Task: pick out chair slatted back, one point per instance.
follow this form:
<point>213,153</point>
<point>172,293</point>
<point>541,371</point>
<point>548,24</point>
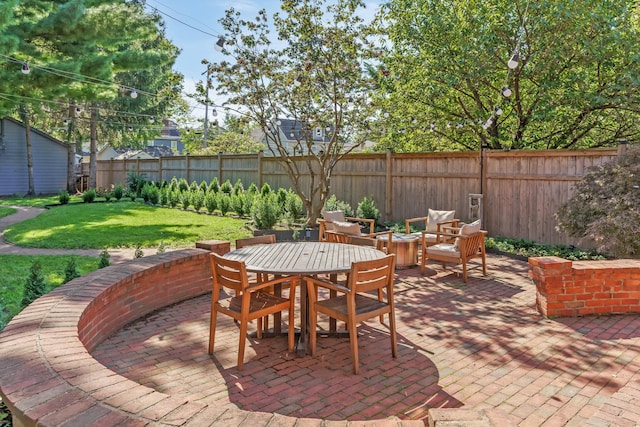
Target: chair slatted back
<point>256,240</point>
<point>228,273</point>
<point>371,275</point>
<point>473,245</point>
<point>335,237</point>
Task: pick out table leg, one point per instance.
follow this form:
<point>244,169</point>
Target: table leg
<point>301,348</point>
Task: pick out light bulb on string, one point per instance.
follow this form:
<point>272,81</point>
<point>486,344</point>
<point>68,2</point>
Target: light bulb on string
<point>214,113</point>
<point>498,111</point>
<point>130,128</point>
<point>66,122</point>
<point>297,81</point>
<point>25,68</point>
<point>279,122</point>
<point>78,110</point>
<point>219,44</point>
<point>133,94</point>
<point>152,119</point>
<point>506,92</point>
<point>513,61</point>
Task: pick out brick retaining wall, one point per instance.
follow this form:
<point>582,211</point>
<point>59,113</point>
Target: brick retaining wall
<point>577,288</point>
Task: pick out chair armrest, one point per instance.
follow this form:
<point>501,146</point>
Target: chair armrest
<point>326,284</point>
<point>409,221</point>
<point>257,286</point>
<point>371,222</point>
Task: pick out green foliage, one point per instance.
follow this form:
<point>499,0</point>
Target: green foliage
<point>224,202</point>
<point>528,248</point>
<point>238,203</point>
<point>214,186</point>
<point>253,189</point>
<point>204,187</point>
<point>265,190</point>
<point>174,198</point>
<point>63,197</point>
<point>185,199</point>
<point>135,182</point>
<point>35,286</point>
<point>197,199</point>
<point>161,248</point>
<point>226,187</point>
<point>367,209</point>
<point>108,196</point>
<point>266,211</point>
<point>210,202</point>
<point>194,186</point>
<point>138,253</point>
<point>132,195</point>
<point>238,187</point>
<point>282,196</point>
<point>605,207</point>
<point>333,204</point>
<point>118,191</point>
<point>104,259</point>
<point>71,270</point>
<point>174,184</point>
<point>89,196</point>
<point>293,206</point>
<point>150,194</point>
<point>183,185</point>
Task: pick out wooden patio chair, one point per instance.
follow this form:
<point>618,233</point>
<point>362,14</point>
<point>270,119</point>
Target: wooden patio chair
<point>467,244</point>
<point>434,223</point>
<point>250,301</point>
<point>355,302</point>
<point>332,220</point>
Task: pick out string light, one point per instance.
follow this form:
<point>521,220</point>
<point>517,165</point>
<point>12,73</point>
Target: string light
<point>506,92</point>
<point>498,111</point>
<point>134,94</point>
<point>513,61</point>
<point>219,44</point>
<point>298,81</point>
<point>25,68</point>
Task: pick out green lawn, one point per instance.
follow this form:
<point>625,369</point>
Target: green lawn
<point>6,211</point>
<point>122,224</point>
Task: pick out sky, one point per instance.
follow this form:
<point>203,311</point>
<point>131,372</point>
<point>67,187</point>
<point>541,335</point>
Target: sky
<point>193,26</point>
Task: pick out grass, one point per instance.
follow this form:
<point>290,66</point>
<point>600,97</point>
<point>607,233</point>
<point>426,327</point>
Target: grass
<point>4,211</point>
<point>14,270</point>
<point>122,225</point>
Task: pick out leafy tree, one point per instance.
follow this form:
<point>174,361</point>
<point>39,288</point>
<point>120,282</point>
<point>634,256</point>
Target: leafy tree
<point>574,86</point>
<point>313,76</point>
<point>605,207</point>
<point>233,137</point>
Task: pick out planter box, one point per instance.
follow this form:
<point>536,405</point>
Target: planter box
<point>287,235</point>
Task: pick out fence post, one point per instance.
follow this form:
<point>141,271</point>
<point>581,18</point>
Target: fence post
<point>160,169</point>
<point>623,146</point>
<point>220,167</point>
<point>483,184</point>
<point>260,156</point>
<point>388,196</point>
<point>188,172</point>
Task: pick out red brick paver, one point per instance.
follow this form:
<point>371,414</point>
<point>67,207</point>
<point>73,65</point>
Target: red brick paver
<point>480,345</point>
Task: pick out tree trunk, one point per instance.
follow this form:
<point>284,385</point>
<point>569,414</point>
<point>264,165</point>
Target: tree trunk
<point>71,151</point>
<point>27,131</point>
<point>93,157</point>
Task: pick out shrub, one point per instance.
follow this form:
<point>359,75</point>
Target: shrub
<point>605,207</point>
<point>118,191</point>
<point>132,195</point>
<point>138,252</point>
<point>135,182</point>
<point>282,196</point>
<point>183,185</point>
<point>224,202</point>
<point>89,196</point>
<point>150,194</point>
<point>253,189</point>
<point>210,202</point>
<point>63,197</point>
<point>35,286</point>
<point>265,190</point>
<point>266,211</point>
<point>214,186</point>
<point>367,209</point>
<point>226,187</point>
<point>104,259</point>
<point>197,200</point>
<point>185,199</point>
<point>71,270</point>
<point>204,187</point>
<point>173,184</point>
<point>174,198</point>
<point>238,188</point>
<point>161,248</point>
<point>194,186</point>
<point>333,204</point>
<point>108,196</point>
<point>293,206</point>
<point>240,204</point>
<point>164,196</point>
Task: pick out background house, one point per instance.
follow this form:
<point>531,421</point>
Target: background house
<point>169,137</point>
<point>49,160</point>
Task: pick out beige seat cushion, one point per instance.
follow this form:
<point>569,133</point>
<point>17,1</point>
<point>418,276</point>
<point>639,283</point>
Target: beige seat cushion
<point>430,238</point>
<point>330,217</point>
<point>470,228</point>
<point>434,217</point>
<point>443,249</point>
<point>352,228</point>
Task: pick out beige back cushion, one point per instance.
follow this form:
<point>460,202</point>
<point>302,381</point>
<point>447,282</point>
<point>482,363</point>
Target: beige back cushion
<point>352,228</point>
<point>331,217</point>
<point>434,217</point>
<point>470,228</point>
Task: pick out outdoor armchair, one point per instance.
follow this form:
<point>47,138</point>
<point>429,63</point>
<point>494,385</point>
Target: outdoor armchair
<point>356,302</point>
<point>433,224</point>
<point>336,221</point>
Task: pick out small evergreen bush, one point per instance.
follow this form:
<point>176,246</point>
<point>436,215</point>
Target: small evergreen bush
<point>265,190</point>
<point>293,206</point>
<point>333,204</point>
<point>89,196</point>
<point>71,270</point>
<point>238,188</point>
<point>224,202</point>
<point>185,199</point>
<point>211,202</point>
<point>35,286</point>
<point>266,211</point>
<point>118,191</point>
<point>367,209</point>
<point>135,182</point>
<point>63,197</point>
<point>197,199</point>
<point>214,186</point>
<point>226,187</point>
<point>104,259</point>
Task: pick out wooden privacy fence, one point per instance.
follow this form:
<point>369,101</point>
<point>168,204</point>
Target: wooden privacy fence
<point>516,193</point>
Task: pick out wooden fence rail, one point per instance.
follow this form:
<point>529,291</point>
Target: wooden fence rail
<point>516,193</point>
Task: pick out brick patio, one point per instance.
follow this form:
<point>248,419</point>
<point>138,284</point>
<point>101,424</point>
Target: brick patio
<point>477,346</point>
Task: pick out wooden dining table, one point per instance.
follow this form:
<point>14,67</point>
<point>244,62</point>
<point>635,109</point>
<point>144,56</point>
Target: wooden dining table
<point>302,259</point>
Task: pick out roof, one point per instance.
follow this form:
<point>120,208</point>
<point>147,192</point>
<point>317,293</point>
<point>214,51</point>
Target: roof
<point>35,130</point>
<point>156,152</point>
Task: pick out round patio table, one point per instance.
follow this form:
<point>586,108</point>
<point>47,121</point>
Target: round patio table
<point>302,259</point>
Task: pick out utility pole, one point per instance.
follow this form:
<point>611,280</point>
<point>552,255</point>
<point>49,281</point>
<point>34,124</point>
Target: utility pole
<point>206,108</point>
